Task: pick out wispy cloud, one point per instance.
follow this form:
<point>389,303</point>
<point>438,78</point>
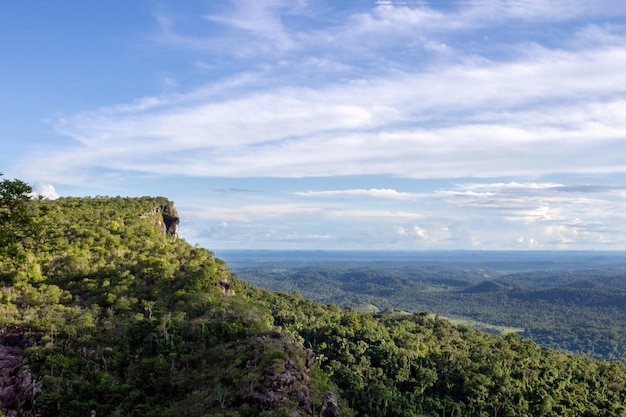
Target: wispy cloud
<point>260,18</point>
<point>508,100</point>
<point>477,115</point>
<point>513,185</point>
<point>373,192</point>
<point>375,127</point>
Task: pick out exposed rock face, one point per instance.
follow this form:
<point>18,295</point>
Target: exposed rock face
<point>226,288</point>
<point>285,381</point>
<point>330,408</point>
<point>166,218</point>
<point>17,388</point>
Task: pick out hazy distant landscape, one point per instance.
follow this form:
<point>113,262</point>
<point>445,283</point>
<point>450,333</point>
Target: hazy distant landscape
<point>570,300</point>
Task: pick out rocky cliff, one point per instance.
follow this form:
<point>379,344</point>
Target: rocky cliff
<point>18,390</point>
<point>282,381</point>
<point>166,218</point>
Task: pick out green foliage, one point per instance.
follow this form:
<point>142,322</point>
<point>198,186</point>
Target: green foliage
<point>128,321</point>
<point>568,307</point>
<point>15,213</point>
<point>121,319</point>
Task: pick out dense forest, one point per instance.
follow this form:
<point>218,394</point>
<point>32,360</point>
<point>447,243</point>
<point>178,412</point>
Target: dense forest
<point>569,307</point>
<point>104,312</point>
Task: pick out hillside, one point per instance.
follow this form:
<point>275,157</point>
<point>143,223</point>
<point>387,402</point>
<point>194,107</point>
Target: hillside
<point>103,311</point>
<point>574,303</point>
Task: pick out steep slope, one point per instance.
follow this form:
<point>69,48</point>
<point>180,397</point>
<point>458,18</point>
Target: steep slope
<point>116,316</point>
<point>103,311</point>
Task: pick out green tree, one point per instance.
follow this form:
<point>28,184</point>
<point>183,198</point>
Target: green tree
<point>15,212</point>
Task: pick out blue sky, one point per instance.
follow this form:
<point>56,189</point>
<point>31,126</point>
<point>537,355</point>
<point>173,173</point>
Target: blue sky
<point>319,124</point>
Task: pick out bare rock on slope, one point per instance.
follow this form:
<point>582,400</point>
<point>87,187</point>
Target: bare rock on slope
<point>17,388</point>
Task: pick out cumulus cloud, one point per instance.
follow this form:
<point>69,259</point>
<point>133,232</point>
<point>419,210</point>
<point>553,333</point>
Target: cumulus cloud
<point>419,232</point>
<point>45,191</point>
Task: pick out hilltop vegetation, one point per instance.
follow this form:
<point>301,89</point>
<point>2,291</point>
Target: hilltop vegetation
<point>113,315</point>
<point>572,307</point>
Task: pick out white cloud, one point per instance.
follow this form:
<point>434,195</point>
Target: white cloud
<point>530,243</point>
<point>517,92</point>
<point>446,121</point>
<point>260,18</point>
<point>419,232</point>
<point>45,191</point>
<point>513,185</point>
<point>416,231</point>
<point>372,192</point>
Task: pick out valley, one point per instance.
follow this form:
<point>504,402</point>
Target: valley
<point>570,300</point>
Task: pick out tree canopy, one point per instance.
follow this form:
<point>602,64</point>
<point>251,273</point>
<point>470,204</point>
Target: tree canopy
<point>15,212</point>
<point>113,316</point>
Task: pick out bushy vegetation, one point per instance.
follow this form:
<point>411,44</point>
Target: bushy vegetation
<point>114,316</point>
<point>567,307</point>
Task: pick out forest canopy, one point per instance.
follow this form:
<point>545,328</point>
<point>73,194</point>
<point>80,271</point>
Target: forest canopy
<point>112,315</point>
<point>15,211</point>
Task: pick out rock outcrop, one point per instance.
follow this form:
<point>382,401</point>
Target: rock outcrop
<point>18,390</point>
<point>283,382</point>
<point>226,288</point>
<point>166,218</point>
<point>330,408</point>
